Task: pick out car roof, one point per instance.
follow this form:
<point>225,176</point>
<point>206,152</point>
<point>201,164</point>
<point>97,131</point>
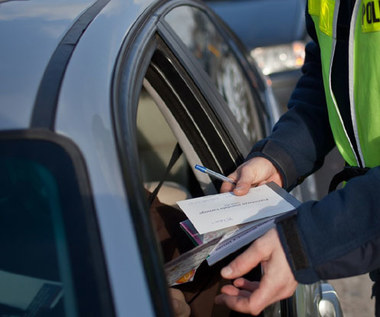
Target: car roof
<point>30,32</point>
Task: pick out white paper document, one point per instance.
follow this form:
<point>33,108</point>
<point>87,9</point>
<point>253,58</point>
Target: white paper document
<point>215,212</point>
<point>239,237</point>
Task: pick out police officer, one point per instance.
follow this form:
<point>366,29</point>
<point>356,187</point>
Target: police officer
<point>336,102</point>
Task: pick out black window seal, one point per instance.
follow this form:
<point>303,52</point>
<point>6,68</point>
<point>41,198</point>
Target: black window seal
<point>198,121</point>
<point>45,104</point>
<point>40,145</point>
<point>129,72</point>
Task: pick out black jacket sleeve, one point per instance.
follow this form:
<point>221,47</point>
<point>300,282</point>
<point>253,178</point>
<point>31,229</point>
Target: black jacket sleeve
<point>338,236</point>
<point>302,137</point>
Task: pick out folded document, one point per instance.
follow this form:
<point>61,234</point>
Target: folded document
<point>219,211</point>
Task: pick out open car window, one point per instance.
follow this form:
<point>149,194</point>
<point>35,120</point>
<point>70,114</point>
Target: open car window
<point>172,110</point>
<point>157,146</point>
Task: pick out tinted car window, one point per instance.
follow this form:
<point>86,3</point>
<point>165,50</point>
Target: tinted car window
<point>31,224</point>
<point>173,111</point>
<point>205,41</point>
<point>47,266</point>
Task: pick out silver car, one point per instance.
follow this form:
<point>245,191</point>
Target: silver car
<point>103,102</point>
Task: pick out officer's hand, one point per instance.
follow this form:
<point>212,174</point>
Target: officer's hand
<point>255,172</point>
<point>277,282</point>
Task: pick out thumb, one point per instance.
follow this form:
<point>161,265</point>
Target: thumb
<point>244,182</point>
<point>242,187</point>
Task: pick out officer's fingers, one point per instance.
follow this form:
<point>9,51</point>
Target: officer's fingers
<point>231,290</point>
<point>245,179</point>
<point>271,289</point>
<point>234,302</point>
<point>245,301</point>
<point>278,281</point>
<point>261,298</point>
<point>242,188</point>
<point>243,263</point>
<point>243,283</point>
<point>240,287</point>
<point>257,170</point>
<point>227,186</point>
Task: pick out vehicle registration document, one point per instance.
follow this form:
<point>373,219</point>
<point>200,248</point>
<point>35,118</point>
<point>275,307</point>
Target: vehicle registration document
<point>219,211</point>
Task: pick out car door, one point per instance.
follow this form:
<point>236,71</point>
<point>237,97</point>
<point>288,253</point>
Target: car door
<point>181,101</point>
<point>127,104</point>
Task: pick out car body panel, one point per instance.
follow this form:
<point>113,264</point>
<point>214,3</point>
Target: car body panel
<point>93,132</point>
<point>30,31</point>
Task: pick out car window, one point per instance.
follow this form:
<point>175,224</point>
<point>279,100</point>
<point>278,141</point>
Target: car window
<point>199,33</point>
<point>31,226</point>
<point>174,111</point>
<point>44,268</point>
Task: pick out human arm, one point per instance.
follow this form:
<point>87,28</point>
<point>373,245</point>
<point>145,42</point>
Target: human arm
<point>336,237</point>
<point>299,140</point>
<point>302,137</point>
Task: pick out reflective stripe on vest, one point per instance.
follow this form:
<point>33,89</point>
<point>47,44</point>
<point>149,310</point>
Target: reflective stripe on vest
<point>364,77</point>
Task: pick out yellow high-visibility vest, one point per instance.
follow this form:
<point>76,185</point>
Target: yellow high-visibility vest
<point>363,76</point>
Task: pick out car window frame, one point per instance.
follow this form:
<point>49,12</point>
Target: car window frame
<point>148,35</point>
<point>130,69</point>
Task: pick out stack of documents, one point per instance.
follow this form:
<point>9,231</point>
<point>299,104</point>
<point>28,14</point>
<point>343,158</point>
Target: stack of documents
<point>224,223</point>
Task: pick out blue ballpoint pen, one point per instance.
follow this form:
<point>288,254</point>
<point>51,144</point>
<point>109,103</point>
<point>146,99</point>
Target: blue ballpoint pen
<point>214,174</point>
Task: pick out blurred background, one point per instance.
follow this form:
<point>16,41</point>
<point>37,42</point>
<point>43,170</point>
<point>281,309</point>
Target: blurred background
<point>274,34</point>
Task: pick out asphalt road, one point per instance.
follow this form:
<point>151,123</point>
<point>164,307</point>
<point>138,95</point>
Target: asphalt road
<point>355,296</point>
